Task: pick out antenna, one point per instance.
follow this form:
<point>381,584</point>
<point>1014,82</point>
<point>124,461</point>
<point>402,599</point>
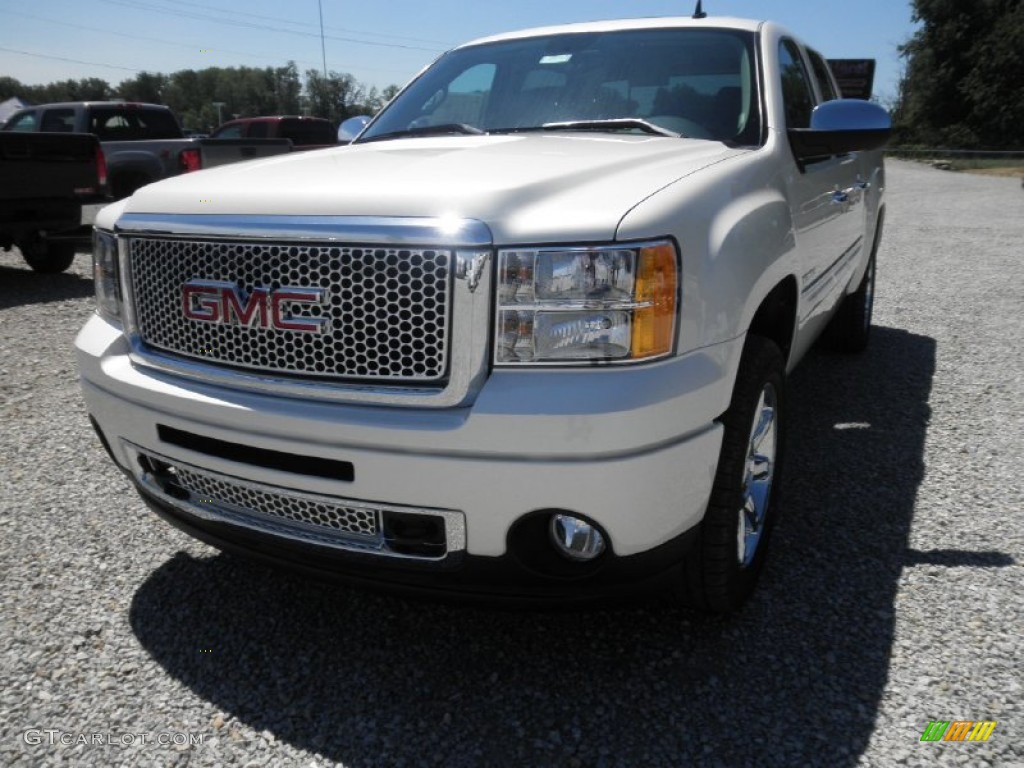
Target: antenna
<point>698,13</point>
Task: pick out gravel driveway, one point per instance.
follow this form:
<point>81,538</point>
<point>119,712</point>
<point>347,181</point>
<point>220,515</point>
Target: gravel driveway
<point>893,596</point>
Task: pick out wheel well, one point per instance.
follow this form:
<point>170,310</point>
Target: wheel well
<point>775,319</point>
<point>125,182</point>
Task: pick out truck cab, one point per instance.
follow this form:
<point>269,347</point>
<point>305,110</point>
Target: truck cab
<point>309,132</point>
<point>142,143</point>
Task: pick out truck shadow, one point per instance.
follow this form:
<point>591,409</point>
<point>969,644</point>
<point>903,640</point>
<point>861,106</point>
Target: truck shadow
<point>796,678</point>
<point>20,286</point>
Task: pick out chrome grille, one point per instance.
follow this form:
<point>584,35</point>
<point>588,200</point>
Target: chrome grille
<point>387,308</point>
<point>328,521</point>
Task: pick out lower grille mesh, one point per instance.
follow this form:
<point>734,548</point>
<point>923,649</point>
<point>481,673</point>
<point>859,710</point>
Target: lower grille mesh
<point>206,489</point>
<point>414,533</point>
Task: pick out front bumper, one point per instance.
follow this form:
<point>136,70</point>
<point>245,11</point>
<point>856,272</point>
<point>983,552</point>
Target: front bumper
<point>632,449</point>
<point>505,579</point>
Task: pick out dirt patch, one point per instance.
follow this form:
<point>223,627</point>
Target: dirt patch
<point>1018,171</point>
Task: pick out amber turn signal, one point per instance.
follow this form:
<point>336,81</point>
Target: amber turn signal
<point>656,296</point>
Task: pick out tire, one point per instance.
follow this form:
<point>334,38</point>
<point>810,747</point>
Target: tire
<point>722,568</point>
<point>47,258</point>
<point>850,330</point>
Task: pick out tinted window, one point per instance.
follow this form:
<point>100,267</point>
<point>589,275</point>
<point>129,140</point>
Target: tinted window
<point>258,130</point>
<point>796,90</point>
<point>58,120</point>
<point>307,132</point>
<point>228,132</point>
<point>698,82</point>
<point>822,76</point>
<point>26,122</point>
<point>131,123</point>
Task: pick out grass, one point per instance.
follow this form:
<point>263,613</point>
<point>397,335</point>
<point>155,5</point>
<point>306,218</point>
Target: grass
<point>987,166</point>
<point>993,167</point>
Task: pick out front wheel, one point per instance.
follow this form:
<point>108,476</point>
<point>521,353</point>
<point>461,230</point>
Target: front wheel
<point>722,568</point>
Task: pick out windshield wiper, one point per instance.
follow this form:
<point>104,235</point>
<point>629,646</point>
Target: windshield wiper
<point>428,130</point>
<point>613,124</point>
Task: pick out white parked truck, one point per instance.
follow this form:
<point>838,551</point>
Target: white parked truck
<point>526,337</point>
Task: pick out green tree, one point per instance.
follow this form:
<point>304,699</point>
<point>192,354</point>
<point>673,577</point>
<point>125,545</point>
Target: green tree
<point>337,97</point>
<point>287,90</point>
<point>94,89</point>
<point>243,92</point>
<point>10,87</point>
<point>145,87</point>
<point>370,102</point>
<point>961,84</point>
<point>86,89</point>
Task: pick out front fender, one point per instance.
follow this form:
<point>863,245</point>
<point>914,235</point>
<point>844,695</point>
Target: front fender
<point>735,230</point>
<point>751,250</point>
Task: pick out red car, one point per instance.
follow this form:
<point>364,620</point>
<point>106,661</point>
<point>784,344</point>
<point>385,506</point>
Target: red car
<point>304,132</point>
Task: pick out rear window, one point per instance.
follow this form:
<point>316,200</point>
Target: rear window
<point>306,132</point>
<point>130,124</point>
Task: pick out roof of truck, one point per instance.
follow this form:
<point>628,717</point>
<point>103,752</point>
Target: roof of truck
<point>75,104</point>
<point>615,25</point>
<point>273,119</point>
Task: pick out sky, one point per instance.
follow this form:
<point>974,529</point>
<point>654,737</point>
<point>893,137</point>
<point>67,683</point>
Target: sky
<point>379,42</point>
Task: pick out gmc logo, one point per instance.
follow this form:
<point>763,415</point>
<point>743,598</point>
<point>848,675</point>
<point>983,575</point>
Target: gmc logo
<point>210,301</point>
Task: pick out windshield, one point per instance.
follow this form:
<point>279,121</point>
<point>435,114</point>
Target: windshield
<point>698,83</point>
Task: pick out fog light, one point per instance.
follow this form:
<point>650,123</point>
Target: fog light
<point>575,538</point>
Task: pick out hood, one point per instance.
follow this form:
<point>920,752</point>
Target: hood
<point>526,188</point>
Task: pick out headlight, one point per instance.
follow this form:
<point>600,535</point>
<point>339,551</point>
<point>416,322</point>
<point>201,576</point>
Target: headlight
<point>573,305</point>
<point>106,275</point>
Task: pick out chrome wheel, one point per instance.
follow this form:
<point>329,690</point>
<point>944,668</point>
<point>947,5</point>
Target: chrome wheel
<point>733,539</point>
<point>759,471</point>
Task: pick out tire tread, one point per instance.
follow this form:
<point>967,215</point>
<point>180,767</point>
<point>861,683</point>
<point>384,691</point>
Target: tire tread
<point>712,579</point>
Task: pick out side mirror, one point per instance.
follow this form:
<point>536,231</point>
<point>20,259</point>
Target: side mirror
<point>351,128</point>
<point>841,126</point>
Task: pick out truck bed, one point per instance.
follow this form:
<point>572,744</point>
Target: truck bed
<point>48,166</point>
<point>45,178</point>
<point>216,152</point>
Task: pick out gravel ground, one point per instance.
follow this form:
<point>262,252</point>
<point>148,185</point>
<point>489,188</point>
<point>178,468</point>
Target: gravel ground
<point>893,596</point>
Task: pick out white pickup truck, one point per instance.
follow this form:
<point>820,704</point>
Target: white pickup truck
<point>527,337</point>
